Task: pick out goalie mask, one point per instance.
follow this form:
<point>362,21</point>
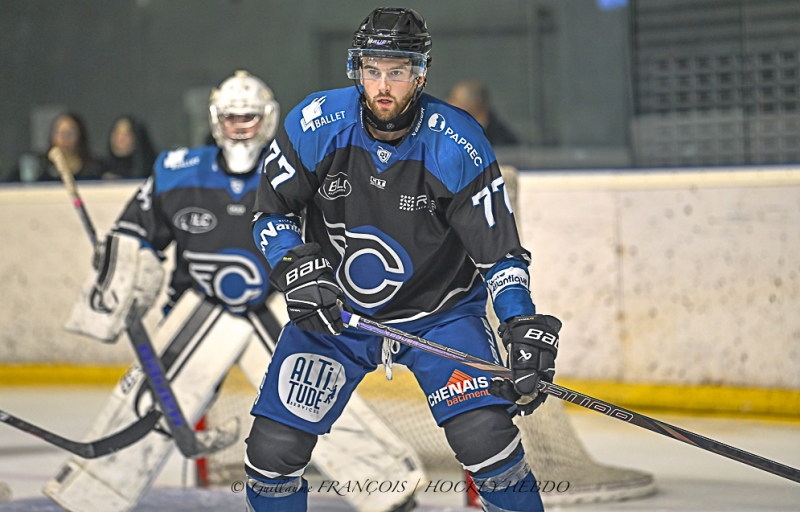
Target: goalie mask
<point>244,117</point>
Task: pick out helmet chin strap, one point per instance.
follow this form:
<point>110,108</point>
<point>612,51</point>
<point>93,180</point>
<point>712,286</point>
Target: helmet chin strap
<point>241,157</point>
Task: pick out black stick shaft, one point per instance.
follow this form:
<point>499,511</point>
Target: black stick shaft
<point>576,398</point>
<point>93,449</point>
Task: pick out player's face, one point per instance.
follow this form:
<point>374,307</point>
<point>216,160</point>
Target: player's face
<point>240,126</point>
<point>389,85</point>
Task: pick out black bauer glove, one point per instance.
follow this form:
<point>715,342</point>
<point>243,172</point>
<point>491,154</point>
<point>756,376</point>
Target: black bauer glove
<point>532,344</point>
<point>306,279</point>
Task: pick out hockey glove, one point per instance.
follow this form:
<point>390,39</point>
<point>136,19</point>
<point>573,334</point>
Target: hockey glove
<point>532,344</point>
<point>306,279</point>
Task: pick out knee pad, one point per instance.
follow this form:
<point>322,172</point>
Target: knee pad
<point>275,450</point>
<point>483,439</point>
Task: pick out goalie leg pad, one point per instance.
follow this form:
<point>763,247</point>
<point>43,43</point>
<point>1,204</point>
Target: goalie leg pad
<point>275,450</point>
<point>197,343</point>
<point>129,273</point>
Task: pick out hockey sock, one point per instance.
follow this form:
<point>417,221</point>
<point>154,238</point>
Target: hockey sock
<point>277,495</point>
<point>510,487</point>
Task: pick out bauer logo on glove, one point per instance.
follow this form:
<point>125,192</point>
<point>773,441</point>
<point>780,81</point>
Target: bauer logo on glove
<point>532,344</point>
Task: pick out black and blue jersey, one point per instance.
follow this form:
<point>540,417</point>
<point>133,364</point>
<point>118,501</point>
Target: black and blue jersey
<point>189,200</point>
<point>411,230</point>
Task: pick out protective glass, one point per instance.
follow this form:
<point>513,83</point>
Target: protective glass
<point>365,64</point>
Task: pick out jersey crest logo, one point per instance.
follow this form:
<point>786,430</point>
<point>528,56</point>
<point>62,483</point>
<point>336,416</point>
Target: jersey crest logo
<point>177,159</point>
<point>335,186</point>
<point>313,117</point>
<point>437,122</point>
<point>384,154</point>
<point>237,186</point>
<point>309,384</point>
<point>233,276</point>
<point>373,267</point>
<point>194,220</point>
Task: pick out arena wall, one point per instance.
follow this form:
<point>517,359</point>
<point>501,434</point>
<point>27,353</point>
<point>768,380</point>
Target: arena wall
<point>661,278</point>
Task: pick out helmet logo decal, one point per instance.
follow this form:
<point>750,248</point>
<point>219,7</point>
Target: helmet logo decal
<point>384,154</point>
<point>313,117</point>
<point>437,122</point>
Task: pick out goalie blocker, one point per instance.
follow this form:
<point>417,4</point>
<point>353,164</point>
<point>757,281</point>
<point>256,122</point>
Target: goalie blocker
<point>198,343</point>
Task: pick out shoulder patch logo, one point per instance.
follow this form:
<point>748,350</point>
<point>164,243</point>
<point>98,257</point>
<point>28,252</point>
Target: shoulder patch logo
<point>335,186</point>
<point>313,118</point>
<point>177,159</point>
<point>437,122</point>
<point>384,154</point>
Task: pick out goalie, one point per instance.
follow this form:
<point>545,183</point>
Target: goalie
<point>200,199</point>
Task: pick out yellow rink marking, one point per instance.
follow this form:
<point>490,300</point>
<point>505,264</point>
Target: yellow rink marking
<point>752,402</point>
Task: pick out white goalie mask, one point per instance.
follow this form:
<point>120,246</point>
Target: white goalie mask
<point>244,117</point>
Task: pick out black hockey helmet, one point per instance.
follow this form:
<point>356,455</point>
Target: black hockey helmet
<point>392,28</point>
<point>391,33</point>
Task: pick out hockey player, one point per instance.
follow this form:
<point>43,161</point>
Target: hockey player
<point>200,200</point>
<point>407,221</point>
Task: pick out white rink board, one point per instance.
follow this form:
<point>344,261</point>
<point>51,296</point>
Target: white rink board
<point>670,277</point>
<point>45,255</point>
<point>688,277</point>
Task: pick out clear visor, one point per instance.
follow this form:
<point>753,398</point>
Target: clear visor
<point>390,65</point>
<point>240,126</point>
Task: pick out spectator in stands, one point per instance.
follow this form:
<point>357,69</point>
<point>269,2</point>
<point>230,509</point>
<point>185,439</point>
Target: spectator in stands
<point>473,97</point>
<point>130,152</point>
<point>67,132</point>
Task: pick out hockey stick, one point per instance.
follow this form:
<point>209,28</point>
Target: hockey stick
<point>93,449</point>
<point>574,397</point>
<point>190,443</point>
<point>57,157</point>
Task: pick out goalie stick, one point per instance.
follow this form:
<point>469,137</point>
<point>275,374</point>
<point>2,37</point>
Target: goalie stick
<point>93,449</point>
<point>190,443</point>
<point>576,398</point>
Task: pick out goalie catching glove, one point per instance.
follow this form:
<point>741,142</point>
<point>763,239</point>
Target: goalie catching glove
<point>306,279</point>
<point>532,344</point>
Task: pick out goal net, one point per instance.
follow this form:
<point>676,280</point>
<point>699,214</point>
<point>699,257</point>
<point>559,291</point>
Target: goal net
<point>552,447</point>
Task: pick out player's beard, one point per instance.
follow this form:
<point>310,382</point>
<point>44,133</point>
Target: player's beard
<point>397,107</point>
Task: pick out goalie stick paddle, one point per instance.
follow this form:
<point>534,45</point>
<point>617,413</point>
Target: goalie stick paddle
<point>576,398</point>
<point>93,449</point>
<point>190,443</point>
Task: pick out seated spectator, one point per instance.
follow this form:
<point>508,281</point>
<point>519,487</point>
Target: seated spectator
<point>67,132</point>
<point>473,97</point>
<point>130,153</point>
